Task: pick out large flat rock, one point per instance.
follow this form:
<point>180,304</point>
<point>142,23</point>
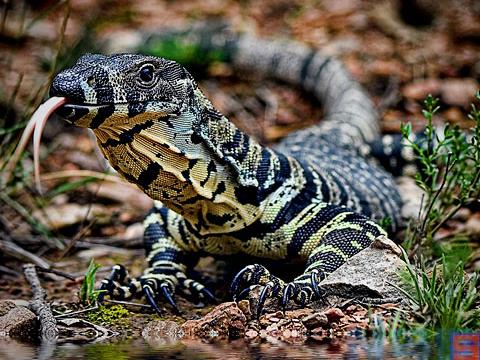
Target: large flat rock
<point>373,273</point>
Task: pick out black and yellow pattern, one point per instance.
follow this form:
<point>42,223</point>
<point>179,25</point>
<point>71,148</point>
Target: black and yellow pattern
<point>316,197</point>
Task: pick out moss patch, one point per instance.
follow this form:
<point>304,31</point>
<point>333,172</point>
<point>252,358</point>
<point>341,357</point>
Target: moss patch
<point>115,315</point>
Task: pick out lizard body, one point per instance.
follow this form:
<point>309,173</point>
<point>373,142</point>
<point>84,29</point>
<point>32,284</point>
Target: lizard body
<point>317,196</point>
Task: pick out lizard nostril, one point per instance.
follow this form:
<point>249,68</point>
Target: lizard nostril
<point>67,85</point>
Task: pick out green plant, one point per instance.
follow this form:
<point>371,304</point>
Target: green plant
<point>443,297</point>
<point>449,172</point>
<point>88,294</point>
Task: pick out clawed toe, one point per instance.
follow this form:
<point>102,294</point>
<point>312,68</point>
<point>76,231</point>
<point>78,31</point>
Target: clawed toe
<point>154,285</point>
<point>239,280</point>
<point>168,295</point>
<point>314,280</point>
<point>117,279</point>
<point>147,290</point>
<point>165,286</point>
<point>301,291</point>
<point>266,291</point>
<point>288,291</point>
<point>207,294</point>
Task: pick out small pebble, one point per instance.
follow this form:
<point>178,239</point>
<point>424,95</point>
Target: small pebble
<point>334,315</point>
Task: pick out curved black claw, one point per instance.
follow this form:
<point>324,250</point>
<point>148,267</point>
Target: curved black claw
<point>262,298</point>
<point>151,298</point>
<point>303,299</point>
<point>166,293</point>
<point>118,273</point>
<point>237,281</point>
<point>286,296</point>
<point>314,280</point>
<point>242,294</point>
<point>105,287</point>
<point>208,295</point>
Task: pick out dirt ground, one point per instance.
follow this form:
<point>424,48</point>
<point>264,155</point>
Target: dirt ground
<point>400,51</point>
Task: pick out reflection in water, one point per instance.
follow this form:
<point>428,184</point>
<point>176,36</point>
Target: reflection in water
<point>351,348</point>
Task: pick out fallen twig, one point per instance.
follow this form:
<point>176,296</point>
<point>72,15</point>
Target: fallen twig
<point>87,242</point>
<point>76,312</point>
<point>129,303</point>
<point>15,251</point>
<point>48,324</point>
<point>8,271</point>
<point>56,272</point>
<point>84,173</point>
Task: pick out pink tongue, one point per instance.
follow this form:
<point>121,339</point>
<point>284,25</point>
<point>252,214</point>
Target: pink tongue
<point>37,123</point>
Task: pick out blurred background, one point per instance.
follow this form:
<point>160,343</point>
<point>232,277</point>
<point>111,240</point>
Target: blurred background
<point>400,51</point>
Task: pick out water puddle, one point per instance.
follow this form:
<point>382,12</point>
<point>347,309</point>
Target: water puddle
<point>447,346</point>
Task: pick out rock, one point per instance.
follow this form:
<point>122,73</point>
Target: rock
<point>244,306</point>
<point>263,321</point>
<point>315,320</point>
<point>299,313</point>
<point>368,274</point>
<point>251,334</point>
<point>276,315</point>
<point>286,330</point>
<point>276,330</point>
<point>383,243</point>
<point>334,315</point>
<point>459,92</point>
<point>17,322</point>
<point>226,321</point>
<point>158,333</point>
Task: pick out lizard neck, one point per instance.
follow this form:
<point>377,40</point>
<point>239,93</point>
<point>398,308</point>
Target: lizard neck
<point>242,174</point>
<point>197,163</point>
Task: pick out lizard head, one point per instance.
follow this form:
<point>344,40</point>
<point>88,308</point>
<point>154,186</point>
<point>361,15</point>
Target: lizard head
<point>157,129</point>
<point>122,85</point>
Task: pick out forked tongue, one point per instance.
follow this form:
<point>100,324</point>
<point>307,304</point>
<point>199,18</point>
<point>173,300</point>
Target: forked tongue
<point>35,125</point>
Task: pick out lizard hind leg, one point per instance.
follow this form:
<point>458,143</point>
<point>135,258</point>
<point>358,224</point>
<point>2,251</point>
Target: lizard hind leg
<point>335,248</point>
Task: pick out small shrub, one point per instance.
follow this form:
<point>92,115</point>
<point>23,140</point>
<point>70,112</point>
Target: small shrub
<point>88,295</point>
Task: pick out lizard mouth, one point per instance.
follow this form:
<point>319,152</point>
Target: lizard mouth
<point>72,112</point>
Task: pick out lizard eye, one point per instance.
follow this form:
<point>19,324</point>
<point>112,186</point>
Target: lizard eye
<point>146,73</point>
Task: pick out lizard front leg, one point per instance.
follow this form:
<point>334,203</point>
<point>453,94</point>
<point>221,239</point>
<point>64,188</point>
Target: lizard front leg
<point>168,260</point>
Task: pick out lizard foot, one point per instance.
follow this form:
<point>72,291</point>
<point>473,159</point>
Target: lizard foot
<point>301,290</point>
<point>155,283</point>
